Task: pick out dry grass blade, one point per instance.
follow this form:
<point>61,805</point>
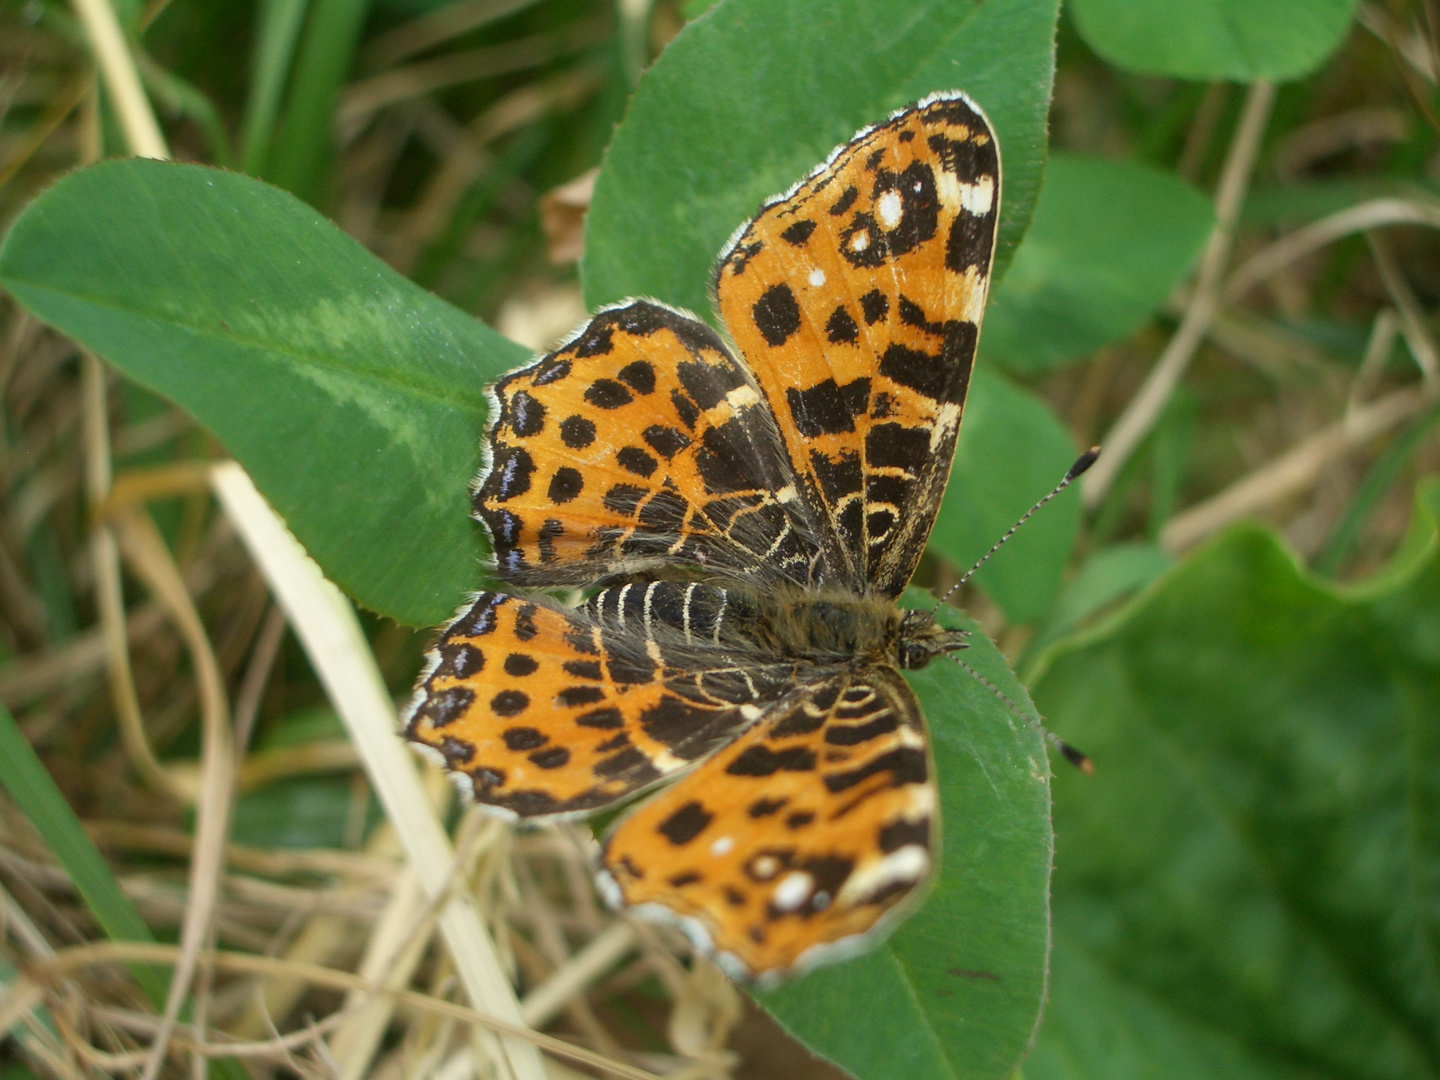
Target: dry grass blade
<point>113,55</point>
<point>1371,214</point>
<point>1297,470</point>
<point>146,551</point>
<point>72,961</point>
<point>1145,408</point>
<point>326,624</point>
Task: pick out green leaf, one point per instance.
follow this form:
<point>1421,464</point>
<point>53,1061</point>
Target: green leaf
<point>754,93</point>
<point>957,990</point>
<point>1251,880</point>
<point>1240,40</point>
<point>1110,241</point>
<point>1012,450</point>
<point>354,398</point>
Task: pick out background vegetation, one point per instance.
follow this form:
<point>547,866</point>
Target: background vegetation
<point>1219,253</point>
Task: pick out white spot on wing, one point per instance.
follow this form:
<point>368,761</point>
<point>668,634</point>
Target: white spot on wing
<point>906,864</point>
<point>946,421</point>
<point>793,890</point>
<point>890,209</point>
<point>742,397</point>
<point>817,277</point>
<point>978,197</point>
<point>722,846</point>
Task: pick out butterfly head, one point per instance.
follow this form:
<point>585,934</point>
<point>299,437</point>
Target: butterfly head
<point>921,639</point>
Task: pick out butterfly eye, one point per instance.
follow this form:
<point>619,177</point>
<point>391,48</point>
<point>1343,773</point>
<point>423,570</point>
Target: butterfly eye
<point>914,654</point>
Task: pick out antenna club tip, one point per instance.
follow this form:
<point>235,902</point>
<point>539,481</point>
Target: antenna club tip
<point>1080,760</point>
<point>1082,463</point>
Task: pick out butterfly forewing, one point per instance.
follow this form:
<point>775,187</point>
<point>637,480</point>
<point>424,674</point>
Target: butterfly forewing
<point>857,299</point>
<point>640,443</point>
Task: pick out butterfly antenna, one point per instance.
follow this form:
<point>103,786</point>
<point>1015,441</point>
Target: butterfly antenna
<point>1076,757</point>
<point>1083,462</point>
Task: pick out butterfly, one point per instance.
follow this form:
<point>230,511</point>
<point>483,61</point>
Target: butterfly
<point>743,518</point>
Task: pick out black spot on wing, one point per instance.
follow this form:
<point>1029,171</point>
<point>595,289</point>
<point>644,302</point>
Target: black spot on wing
<point>524,738</point>
<point>549,370</point>
<point>509,703</point>
<point>639,376</point>
<point>707,384</point>
<point>634,460</point>
<point>969,241</point>
<point>525,628</point>
<point>665,441</point>
<point>597,339</point>
<point>903,833</point>
<point>527,416</point>
<point>607,394</point>
<point>552,757</point>
<point>520,664</point>
<point>841,329</point>
<point>480,619</point>
<point>760,760</point>
<point>510,475</point>
<point>798,233</point>
<point>820,410</point>
<point>460,661</point>
<point>914,368</point>
<point>776,314</point>
<point>968,159</point>
<point>845,202</point>
<point>765,807</point>
<point>905,764</point>
<point>686,823</point>
<point>623,499</point>
<point>565,485</point>
<point>443,707</point>
<point>874,305</point>
<point>898,446</point>
<point>577,432</point>
<point>583,669</point>
<point>607,719</point>
<point>572,696</point>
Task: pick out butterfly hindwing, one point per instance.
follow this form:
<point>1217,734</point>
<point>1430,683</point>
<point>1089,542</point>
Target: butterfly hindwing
<point>549,712</point>
<point>800,835</point>
<point>856,299</point>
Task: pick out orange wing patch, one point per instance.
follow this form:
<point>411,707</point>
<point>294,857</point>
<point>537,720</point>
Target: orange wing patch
<point>798,838</point>
<point>640,443</point>
<point>546,712</point>
<point>856,298</point>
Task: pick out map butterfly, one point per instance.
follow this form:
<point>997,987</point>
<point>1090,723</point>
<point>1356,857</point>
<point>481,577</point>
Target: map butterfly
<point>743,515</point>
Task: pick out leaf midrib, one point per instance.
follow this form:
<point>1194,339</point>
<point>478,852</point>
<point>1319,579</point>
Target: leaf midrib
<point>427,390</point>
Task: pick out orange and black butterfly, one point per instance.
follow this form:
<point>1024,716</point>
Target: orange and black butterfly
<point>748,513</point>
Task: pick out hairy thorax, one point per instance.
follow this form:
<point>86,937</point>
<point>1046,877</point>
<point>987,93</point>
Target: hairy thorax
<point>839,627</point>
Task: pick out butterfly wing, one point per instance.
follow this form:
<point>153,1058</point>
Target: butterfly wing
<point>640,443</point>
<point>798,838</point>
<point>548,712</point>
<point>856,299</point>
